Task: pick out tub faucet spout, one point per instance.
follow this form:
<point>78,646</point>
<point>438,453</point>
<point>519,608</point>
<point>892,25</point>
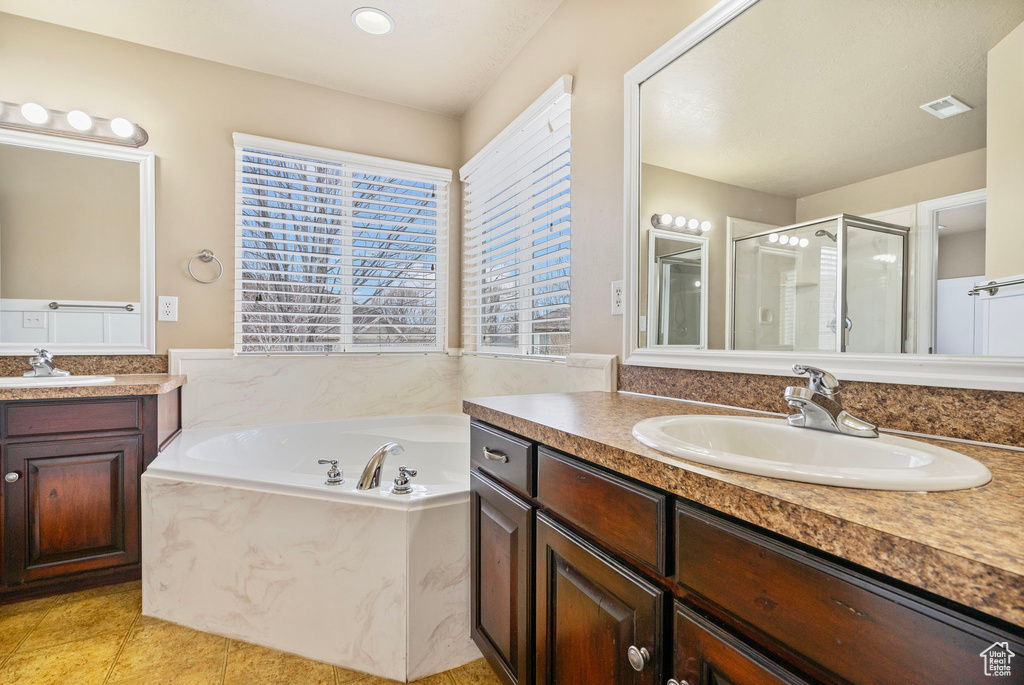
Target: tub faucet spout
<point>371,474</point>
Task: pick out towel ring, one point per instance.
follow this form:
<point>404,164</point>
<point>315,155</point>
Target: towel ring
<point>206,256</point>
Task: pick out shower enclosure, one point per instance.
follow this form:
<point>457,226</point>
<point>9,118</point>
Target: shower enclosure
<point>793,285</point>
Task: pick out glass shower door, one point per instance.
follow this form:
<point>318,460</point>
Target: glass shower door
<point>875,291</point>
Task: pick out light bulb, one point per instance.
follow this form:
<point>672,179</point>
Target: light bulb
<point>773,238</point>
<point>34,113</point>
<point>373,21</point>
<point>804,242</point>
<point>122,127</point>
<point>696,284</point>
<point>693,224</point>
<point>705,226</point>
<point>784,240</point>
<point>665,219</point>
<point>680,221</point>
<point>79,120</point>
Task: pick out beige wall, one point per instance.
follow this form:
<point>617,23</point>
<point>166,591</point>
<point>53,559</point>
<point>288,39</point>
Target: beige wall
<point>665,190</point>
<point>597,41</point>
<point>1005,213</point>
<point>190,108</point>
<point>962,254</point>
<point>949,176</point>
<point>69,226</point>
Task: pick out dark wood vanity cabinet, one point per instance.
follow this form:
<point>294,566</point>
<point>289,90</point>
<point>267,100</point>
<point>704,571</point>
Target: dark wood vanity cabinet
<point>631,585</point>
<point>70,503</point>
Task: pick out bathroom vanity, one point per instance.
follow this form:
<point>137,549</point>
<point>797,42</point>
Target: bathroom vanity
<point>597,560</point>
<point>72,458</point>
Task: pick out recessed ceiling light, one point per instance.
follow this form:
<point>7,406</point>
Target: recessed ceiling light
<point>943,108</point>
<point>373,21</point>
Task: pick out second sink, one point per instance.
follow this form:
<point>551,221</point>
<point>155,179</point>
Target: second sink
<point>770,447</point>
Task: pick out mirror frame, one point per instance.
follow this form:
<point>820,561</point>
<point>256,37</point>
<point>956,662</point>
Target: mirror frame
<point>988,373</point>
<point>147,238</point>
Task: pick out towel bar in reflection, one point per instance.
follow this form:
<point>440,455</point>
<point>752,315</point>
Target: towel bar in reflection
<point>126,307</point>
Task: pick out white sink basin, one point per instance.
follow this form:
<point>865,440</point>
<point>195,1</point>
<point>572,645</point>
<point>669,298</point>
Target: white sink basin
<point>771,447</point>
<point>53,381</point>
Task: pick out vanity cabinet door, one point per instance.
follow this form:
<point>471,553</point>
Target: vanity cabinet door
<point>706,654</point>
<point>501,548</point>
<point>74,507</point>
<point>598,622</point>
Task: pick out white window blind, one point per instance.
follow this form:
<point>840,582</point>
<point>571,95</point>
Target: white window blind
<point>337,252</point>
<point>516,234</point>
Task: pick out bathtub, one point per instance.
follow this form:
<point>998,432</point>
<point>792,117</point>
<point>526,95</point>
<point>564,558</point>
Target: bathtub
<point>242,537</point>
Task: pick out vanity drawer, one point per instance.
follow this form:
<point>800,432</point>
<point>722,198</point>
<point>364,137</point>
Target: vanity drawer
<point>618,513</point>
<point>507,457</point>
<point>28,419</point>
<point>844,622</point>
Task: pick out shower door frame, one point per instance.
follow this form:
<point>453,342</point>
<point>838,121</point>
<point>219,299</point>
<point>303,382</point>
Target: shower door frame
<point>844,222</point>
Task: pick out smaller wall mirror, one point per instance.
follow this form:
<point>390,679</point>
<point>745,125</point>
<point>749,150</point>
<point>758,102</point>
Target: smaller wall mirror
<point>677,271</point>
<point>76,246</point>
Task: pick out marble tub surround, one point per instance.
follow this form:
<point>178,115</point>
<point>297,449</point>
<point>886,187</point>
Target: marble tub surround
<point>123,386</point>
<point>92,364</point>
<point>991,416</point>
<point>481,376</point>
<point>963,545</point>
<point>291,573</point>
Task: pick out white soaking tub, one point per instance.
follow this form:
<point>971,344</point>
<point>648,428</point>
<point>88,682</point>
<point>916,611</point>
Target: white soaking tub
<point>241,537</point>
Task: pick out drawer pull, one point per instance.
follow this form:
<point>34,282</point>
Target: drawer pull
<point>638,657</point>
<point>495,455</point>
<point>12,477</point>
<point>673,681</point>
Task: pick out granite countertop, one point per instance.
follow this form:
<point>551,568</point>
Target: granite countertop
<point>123,385</point>
<point>966,545</point>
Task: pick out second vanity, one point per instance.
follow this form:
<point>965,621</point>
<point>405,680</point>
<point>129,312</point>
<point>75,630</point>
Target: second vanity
<point>72,456</point>
<point>598,560</point>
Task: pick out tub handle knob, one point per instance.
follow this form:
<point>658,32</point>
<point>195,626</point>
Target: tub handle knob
<point>334,475</point>
<point>402,486</point>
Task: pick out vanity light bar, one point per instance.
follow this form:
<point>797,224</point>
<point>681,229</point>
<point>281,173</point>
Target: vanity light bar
<point>681,223</point>
<point>35,118</point>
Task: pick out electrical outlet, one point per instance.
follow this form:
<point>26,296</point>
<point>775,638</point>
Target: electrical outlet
<point>617,298</point>
<point>167,308</point>
<point>33,320</point>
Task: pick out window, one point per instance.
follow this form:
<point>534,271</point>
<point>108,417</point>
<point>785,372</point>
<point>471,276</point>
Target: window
<point>516,228</point>
<point>337,252</point>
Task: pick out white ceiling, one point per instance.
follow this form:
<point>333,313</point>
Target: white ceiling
<point>799,96</point>
<point>965,219</point>
<point>441,56</point>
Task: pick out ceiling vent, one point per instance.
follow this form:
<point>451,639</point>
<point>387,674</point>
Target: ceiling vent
<point>943,108</point>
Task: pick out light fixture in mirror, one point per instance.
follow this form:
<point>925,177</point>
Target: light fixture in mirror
<point>76,246</point>
<point>831,180</point>
<point>35,118</point>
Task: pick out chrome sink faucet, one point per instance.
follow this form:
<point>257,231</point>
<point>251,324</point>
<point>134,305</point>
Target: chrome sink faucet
<point>820,408</point>
<point>371,474</point>
<point>42,365</point>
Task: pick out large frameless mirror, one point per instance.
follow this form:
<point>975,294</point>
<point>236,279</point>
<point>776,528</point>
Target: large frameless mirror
<point>856,182</point>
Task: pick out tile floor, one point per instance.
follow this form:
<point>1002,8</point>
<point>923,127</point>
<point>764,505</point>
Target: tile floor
<point>99,637</point>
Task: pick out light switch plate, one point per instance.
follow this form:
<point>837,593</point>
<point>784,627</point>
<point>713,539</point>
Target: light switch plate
<point>617,298</point>
<point>167,308</point>
<point>33,320</point>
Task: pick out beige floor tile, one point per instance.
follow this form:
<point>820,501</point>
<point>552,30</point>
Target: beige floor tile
<point>14,628</point>
<point>254,665</point>
<point>134,586</point>
<point>208,671</point>
<point>85,618</point>
<point>156,647</point>
<point>439,679</point>
<point>474,673</point>
<point>27,606</point>
<point>82,662</point>
<point>345,676</point>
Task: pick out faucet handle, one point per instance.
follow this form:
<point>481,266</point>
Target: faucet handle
<point>402,486</point>
<point>332,462</point>
<point>820,379</point>
<point>44,354</point>
<point>334,474</point>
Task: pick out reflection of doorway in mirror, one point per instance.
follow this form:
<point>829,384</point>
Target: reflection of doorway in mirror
<point>960,263</point>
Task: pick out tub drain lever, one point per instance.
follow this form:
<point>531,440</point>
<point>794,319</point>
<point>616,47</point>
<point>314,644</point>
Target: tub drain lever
<point>402,486</point>
<point>334,475</point>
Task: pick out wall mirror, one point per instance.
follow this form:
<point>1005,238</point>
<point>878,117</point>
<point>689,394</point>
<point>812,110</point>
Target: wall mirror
<point>854,172</point>
<point>76,246</point>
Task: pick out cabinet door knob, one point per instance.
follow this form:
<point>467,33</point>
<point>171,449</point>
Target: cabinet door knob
<point>12,477</point>
<point>638,657</point>
<point>495,455</point>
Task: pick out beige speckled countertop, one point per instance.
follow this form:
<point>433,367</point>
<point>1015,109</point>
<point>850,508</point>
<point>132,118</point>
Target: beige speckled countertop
<point>967,545</point>
<point>125,385</point>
